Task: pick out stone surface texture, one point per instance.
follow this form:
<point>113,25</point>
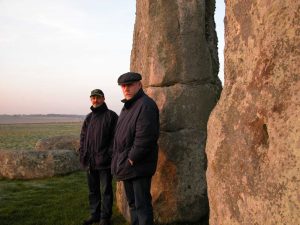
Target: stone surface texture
<point>26,164</point>
<point>69,142</point>
<point>253,145</point>
<point>175,49</point>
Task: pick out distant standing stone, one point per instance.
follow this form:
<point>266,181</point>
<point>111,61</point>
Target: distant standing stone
<point>69,142</point>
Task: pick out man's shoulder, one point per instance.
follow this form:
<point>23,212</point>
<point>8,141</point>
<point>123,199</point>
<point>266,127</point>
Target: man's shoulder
<point>87,118</point>
<point>88,115</point>
<point>148,101</point>
<point>112,113</point>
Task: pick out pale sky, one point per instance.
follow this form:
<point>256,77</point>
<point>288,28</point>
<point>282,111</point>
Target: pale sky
<point>54,52</point>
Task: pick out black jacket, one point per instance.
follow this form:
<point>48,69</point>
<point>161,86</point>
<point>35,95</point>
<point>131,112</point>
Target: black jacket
<point>96,138</point>
<point>136,138</point>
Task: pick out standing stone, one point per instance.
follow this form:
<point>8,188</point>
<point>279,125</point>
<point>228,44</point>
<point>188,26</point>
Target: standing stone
<point>253,145</point>
<point>70,142</point>
<point>175,49</point>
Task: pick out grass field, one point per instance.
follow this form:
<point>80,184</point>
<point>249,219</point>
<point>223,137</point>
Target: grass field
<point>25,136</point>
<point>54,201</point>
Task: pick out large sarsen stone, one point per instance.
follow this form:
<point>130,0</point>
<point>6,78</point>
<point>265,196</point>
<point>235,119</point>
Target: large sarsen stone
<point>175,49</point>
<point>253,145</point>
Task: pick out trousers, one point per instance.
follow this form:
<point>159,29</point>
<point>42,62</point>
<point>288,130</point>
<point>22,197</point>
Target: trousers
<point>100,193</point>
<point>139,200</point>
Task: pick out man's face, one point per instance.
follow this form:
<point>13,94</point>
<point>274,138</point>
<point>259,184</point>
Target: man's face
<point>97,100</point>
<point>129,90</point>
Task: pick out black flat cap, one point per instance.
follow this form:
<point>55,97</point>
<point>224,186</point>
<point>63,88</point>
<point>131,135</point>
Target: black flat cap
<point>129,77</point>
<point>97,92</point>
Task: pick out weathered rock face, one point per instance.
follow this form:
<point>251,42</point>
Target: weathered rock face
<point>253,145</point>
<point>25,164</point>
<point>58,142</point>
<point>174,48</point>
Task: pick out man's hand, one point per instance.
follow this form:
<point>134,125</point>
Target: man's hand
<point>130,161</point>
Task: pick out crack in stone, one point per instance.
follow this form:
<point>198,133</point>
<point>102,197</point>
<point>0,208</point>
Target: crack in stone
<point>190,83</point>
<point>178,130</point>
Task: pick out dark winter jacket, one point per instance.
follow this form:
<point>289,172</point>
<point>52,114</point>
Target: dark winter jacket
<point>136,138</point>
<point>96,138</point>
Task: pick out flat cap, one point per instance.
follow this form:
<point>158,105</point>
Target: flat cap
<point>129,77</point>
<point>97,92</point>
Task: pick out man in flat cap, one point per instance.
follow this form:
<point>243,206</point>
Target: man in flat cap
<point>96,141</point>
<point>135,149</point>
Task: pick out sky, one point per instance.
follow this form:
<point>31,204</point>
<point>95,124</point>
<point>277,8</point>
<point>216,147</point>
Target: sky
<point>53,53</point>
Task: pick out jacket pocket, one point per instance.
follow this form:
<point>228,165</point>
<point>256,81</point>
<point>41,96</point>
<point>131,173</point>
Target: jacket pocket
<point>123,166</point>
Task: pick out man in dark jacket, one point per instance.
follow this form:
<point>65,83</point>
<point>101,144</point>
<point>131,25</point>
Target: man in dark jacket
<point>135,147</point>
<point>95,150</point>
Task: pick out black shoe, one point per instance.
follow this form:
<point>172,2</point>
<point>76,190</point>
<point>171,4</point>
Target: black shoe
<point>90,221</point>
<point>105,222</point>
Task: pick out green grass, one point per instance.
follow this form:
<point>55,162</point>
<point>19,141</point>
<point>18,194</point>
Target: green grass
<point>53,201</point>
<point>59,200</point>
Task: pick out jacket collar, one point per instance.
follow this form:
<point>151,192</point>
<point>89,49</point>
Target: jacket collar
<point>102,108</point>
<point>128,103</point>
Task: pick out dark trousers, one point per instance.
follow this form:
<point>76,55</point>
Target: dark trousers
<point>139,200</point>
<point>100,193</point>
